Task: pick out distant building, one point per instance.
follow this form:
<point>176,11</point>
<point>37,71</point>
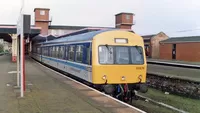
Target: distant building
<point>151,43</point>
<point>7,46</point>
<point>181,48</point>
<point>49,32</point>
<point>122,21</point>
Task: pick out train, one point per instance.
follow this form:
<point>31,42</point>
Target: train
<point>111,60</point>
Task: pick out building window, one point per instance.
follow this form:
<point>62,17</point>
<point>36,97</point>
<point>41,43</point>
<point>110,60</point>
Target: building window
<point>71,53</point>
<point>42,12</point>
<point>79,53</point>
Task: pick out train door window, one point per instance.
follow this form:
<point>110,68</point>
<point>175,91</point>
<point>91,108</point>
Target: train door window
<point>106,55</point>
<point>71,53</point>
<point>88,50</point>
<point>79,53</point>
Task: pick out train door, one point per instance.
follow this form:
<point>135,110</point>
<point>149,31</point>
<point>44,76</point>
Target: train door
<point>174,51</point>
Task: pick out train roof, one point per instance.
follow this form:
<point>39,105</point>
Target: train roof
<point>79,37</point>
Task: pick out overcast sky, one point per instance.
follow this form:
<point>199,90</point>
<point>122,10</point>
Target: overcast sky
<point>151,16</point>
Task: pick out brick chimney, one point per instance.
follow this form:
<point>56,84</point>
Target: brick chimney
<point>124,20</point>
<point>42,19</point>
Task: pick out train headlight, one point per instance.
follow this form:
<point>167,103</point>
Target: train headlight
<point>123,78</point>
<point>104,77</point>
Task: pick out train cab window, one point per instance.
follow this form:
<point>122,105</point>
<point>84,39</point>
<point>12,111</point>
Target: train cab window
<point>71,53</point>
<point>137,55</point>
<point>106,55</point>
<point>122,55</point>
<point>79,53</point>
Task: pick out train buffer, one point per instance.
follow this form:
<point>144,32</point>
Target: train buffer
<point>49,92</point>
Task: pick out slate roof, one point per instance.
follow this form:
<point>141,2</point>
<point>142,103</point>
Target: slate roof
<point>79,37</point>
<point>182,39</point>
<point>72,27</point>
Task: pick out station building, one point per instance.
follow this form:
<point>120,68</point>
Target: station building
<point>152,43</point>
<point>181,48</point>
<point>42,30</point>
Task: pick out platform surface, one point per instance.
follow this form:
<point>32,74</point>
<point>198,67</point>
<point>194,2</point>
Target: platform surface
<point>177,72</point>
<point>48,92</point>
<point>174,61</point>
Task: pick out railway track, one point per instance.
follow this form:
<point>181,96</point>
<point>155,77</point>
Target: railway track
<point>138,96</point>
<point>146,99</point>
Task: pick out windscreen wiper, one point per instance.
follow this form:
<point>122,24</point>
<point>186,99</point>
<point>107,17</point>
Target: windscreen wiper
<point>108,49</point>
<point>137,48</point>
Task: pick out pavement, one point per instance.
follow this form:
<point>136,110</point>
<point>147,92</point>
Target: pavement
<point>176,72</point>
<point>48,92</point>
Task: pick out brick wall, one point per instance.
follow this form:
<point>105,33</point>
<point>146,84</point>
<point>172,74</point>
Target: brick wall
<point>166,51</point>
<point>184,51</point>
<point>42,19</point>
<point>124,21</point>
<point>188,51</point>
<point>154,42</point>
<point>41,14</point>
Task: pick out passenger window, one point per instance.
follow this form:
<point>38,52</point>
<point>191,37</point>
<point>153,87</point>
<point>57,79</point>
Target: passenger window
<point>61,51</point>
<point>57,52</point>
<point>79,53</point>
<point>50,51</point>
<point>66,53</point>
<point>53,52</point>
<point>71,53</point>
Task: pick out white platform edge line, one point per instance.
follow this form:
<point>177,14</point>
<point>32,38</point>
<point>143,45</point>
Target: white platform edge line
<point>93,89</point>
<point>181,64</point>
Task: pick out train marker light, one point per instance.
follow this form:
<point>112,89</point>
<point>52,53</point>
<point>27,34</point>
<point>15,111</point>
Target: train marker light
<point>140,77</point>
<point>104,77</point>
<point>123,78</point>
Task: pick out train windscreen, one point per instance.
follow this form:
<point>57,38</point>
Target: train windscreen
<point>121,55</point>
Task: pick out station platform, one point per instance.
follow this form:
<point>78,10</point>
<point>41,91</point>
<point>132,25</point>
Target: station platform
<point>174,71</point>
<point>174,61</point>
<point>48,92</point>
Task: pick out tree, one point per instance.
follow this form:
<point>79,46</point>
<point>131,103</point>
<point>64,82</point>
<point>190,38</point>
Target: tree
<point>1,48</point>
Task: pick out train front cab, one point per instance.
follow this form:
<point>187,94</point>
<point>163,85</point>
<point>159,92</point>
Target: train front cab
<point>118,58</point>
